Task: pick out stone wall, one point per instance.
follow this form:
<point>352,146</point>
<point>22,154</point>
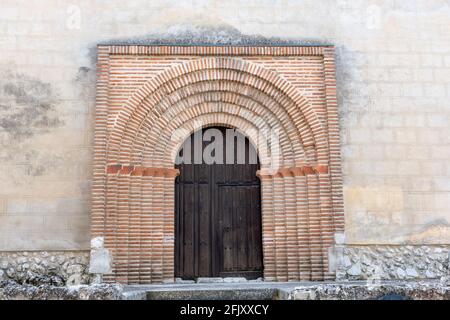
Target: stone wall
<point>45,267</point>
<point>393,66</point>
<point>10,290</point>
<point>391,262</point>
<point>399,290</point>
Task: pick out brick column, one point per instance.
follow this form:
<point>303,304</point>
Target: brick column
<point>140,220</point>
<point>295,212</point>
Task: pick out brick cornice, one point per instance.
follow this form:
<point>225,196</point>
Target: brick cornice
<point>215,50</point>
<point>129,121</point>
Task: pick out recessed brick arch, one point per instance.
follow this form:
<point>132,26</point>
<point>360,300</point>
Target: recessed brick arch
<point>133,189</point>
<point>226,109</point>
<point>247,107</point>
<point>210,119</point>
<point>272,89</point>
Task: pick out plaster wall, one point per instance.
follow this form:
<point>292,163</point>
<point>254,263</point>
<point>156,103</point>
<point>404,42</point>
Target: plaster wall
<point>393,76</point>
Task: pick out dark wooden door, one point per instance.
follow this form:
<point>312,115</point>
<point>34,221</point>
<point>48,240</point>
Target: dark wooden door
<point>218,212</point>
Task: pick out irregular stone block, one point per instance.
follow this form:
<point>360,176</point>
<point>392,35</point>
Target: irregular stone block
<point>234,279</point>
<point>392,262</point>
<point>100,262</point>
<point>97,243</point>
<point>209,280</point>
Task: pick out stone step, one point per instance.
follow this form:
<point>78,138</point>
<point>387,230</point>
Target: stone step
<point>211,294</point>
<point>217,280</point>
<point>227,288</point>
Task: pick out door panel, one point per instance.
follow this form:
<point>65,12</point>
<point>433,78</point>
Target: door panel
<point>218,219</point>
<point>188,234</point>
<point>240,231</point>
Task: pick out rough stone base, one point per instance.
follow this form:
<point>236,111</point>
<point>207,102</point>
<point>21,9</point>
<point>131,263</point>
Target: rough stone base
<point>390,262</point>
<point>424,290</point>
<point>42,267</point>
<point>10,290</point>
<point>357,290</point>
<point>354,290</point>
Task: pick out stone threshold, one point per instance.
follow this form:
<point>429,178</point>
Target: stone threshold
<point>351,290</point>
<point>260,290</point>
<point>217,280</point>
<point>209,289</point>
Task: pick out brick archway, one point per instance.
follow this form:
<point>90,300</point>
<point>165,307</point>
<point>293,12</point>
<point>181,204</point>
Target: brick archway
<point>133,191</point>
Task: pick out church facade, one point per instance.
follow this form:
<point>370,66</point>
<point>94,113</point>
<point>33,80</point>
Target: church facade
<point>341,106</point>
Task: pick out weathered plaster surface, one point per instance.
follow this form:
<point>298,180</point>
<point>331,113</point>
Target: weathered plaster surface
<point>393,72</point>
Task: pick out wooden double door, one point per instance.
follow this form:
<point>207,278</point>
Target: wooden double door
<point>218,209</point>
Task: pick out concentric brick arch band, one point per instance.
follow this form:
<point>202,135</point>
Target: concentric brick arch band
<point>137,139</point>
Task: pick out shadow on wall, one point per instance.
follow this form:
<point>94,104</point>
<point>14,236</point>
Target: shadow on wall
<point>186,34</point>
<point>221,34</point>
<point>349,81</point>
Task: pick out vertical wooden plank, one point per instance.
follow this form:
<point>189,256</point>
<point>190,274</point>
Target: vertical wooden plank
<point>204,225</point>
<point>242,227</point>
<point>227,235</point>
<point>188,229</point>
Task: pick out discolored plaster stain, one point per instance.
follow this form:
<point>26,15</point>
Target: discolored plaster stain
<point>353,95</point>
<point>351,85</point>
<point>29,162</point>
<point>83,74</point>
<point>39,162</point>
<point>436,231</point>
<point>36,171</point>
<point>27,106</point>
<point>27,109</point>
<point>84,85</point>
<point>206,34</point>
